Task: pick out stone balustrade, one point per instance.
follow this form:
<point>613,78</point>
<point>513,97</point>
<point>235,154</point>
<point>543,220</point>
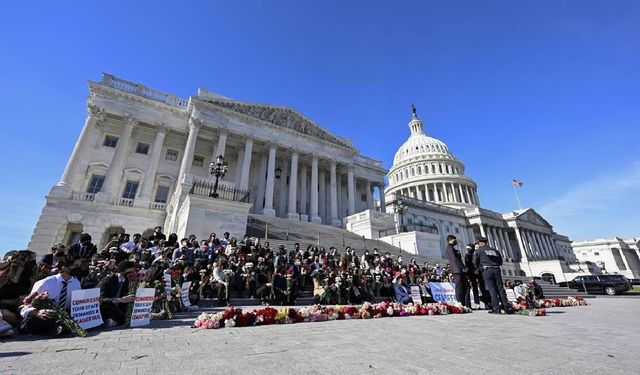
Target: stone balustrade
<point>142,90</point>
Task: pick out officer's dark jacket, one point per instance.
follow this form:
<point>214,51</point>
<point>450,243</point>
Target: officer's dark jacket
<point>455,259</point>
<point>468,261</point>
<point>487,257</point>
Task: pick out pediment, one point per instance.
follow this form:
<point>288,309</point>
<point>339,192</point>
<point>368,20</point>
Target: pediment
<point>531,216</point>
<point>283,117</point>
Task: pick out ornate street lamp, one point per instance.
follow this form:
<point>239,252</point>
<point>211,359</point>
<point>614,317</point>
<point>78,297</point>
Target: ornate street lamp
<point>400,209</point>
<point>217,169</point>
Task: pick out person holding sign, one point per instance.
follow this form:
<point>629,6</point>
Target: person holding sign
<point>458,271</point>
<point>490,260</point>
<point>114,291</point>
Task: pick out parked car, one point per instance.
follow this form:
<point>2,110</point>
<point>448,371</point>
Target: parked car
<point>608,284</point>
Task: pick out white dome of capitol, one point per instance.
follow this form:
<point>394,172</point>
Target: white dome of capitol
<point>424,168</point>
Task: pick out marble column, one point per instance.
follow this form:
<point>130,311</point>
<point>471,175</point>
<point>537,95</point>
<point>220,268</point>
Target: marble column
<point>315,218</point>
<point>262,184</point>
<point>281,209</point>
<point>351,190</point>
<point>504,244</point>
<point>74,166</point>
<point>524,254</point>
<point>483,233</point>
<point>246,164</point>
<point>303,194</point>
<point>144,197</point>
<point>367,186</point>
<point>292,214</point>
<point>268,195</point>
<point>534,247</point>
<point>221,147</point>
<point>551,246</point>
<point>462,200</point>
<point>383,204</point>
<point>322,192</point>
<point>116,169</point>
<point>508,242</point>
<point>334,196</point>
<point>543,246</point>
<point>237,169</point>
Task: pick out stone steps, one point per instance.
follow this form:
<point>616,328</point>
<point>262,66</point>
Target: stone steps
<point>286,232</point>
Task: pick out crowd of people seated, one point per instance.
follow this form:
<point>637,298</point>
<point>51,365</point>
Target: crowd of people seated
<point>218,267</point>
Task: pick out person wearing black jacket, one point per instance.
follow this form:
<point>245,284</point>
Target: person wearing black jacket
<point>490,260</point>
<point>458,271</point>
<point>83,249</point>
<point>115,294</point>
<point>475,276</point>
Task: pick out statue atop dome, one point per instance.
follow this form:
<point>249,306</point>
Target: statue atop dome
<point>414,112</point>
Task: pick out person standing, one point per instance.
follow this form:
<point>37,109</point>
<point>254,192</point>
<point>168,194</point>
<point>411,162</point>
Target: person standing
<point>458,271</point>
<point>490,260</point>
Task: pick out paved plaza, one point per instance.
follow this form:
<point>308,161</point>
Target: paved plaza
<point>600,338</point>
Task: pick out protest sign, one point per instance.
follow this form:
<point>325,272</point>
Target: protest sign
<point>415,294</point>
<point>511,295</point>
<point>443,292</point>
<point>85,308</point>
<point>184,294</point>
<point>167,283</point>
<point>141,312</point>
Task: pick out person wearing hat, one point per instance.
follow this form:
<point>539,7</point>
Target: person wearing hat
<point>474,275</point>
<point>489,260</point>
<point>458,271</point>
<point>114,294</point>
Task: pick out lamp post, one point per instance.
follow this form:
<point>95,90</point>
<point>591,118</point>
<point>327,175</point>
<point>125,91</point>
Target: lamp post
<point>217,169</point>
<point>400,209</point>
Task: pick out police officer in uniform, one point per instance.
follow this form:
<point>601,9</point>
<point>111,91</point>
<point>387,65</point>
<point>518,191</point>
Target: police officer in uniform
<point>490,260</point>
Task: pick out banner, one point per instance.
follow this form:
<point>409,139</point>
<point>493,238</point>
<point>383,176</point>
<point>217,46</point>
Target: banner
<point>141,313</point>
<point>443,292</point>
<point>415,294</point>
<point>184,294</point>
<point>85,307</point>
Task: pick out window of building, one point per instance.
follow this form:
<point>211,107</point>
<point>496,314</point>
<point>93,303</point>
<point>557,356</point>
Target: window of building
<point>596,253</point>
<point>363,197</point>
<point>142,148</point>
<point>110,141</point>
<point>162,194</point>
<point>171,155</point>
<point>130,190</point>
<point>419,170</point>
<point>198,161</point>
<point>440,168</point>
<point>95,184</point>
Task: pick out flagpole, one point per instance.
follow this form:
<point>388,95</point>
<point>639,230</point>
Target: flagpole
<point>517,198</point>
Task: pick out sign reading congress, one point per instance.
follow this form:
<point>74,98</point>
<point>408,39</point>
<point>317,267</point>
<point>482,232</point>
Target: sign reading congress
<point>85,308</point>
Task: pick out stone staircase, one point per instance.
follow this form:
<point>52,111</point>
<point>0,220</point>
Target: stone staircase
<point>286,232</point>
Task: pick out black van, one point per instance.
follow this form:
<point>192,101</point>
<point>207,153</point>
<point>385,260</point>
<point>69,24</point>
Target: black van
<point>608,284</point>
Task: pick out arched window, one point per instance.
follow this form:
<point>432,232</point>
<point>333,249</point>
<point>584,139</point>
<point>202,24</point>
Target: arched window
<point>419,170</point>
<point>413,172</point>
<point>440,168</point>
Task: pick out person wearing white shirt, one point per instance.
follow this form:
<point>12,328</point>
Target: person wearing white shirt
<point>59,288</point>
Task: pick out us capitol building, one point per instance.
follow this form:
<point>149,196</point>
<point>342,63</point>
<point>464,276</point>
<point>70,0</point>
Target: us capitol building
<point>142,159</point>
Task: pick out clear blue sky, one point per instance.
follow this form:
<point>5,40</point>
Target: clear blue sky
<point>544,91</point>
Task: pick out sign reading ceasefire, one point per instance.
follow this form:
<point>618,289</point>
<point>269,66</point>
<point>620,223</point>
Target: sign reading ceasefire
<point>85,308</point>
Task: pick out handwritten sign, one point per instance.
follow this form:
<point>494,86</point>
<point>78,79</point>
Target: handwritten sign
<point>443,292</point>
<point>167,283</point>
<point>415,294</point>
<point>141,313</point>
<point>85,308</point>
<point>184,294</point>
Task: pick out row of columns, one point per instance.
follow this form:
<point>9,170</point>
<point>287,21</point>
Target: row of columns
<point>499,238</point>
<point>443,192</point>
<point>538,246</point>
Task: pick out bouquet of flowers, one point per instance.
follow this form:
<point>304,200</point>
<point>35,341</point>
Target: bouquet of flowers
<point>532,312</point>
<point>133,287</point>
<point>42,301</point>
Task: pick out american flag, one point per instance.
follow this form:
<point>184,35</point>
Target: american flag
<point>517,183</point>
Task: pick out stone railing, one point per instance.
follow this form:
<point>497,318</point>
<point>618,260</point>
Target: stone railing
<point>361,159</point>
<point>144,91</point>
<point>157,206</point>
<point>80,196</point>
<point>123,202</point>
